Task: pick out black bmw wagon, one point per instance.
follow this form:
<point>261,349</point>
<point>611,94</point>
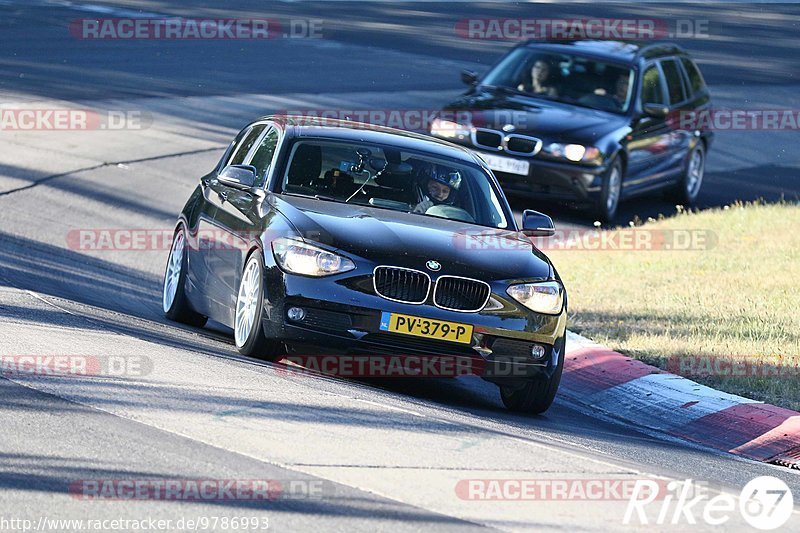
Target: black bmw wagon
<point>592,121</point>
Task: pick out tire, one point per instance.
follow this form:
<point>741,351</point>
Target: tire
<point>536,396</point>
<point>688,187</point>
<point>249,312</point>
<point>607,204</point>
<point>173,293</point>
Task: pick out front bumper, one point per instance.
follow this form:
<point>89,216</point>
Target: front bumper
<point>339,320</point>
<point>555,180</point>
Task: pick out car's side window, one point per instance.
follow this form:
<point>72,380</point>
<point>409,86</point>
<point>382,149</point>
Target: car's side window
<point>674,81</point>
<point>651,86</point>
<point>695,78</point>
<point>232,147</point>
<point>262,159</point>
<point>241,151</point>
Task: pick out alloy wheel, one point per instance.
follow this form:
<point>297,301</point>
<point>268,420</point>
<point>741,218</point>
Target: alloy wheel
<point>173,274</point>
<point>247,302</point>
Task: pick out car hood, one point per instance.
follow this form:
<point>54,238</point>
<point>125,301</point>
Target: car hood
<point>386,237</point>
<point>553,121</point>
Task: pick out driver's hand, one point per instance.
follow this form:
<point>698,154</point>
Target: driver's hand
<point>423,206</point>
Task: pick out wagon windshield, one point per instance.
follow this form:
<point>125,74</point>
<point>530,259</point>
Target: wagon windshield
<point>565,78</point>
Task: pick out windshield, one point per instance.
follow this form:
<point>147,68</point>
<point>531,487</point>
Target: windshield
<point>384,177</point>
<point>566,78</point>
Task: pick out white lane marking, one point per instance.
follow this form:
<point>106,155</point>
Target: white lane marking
<point>390,407</point>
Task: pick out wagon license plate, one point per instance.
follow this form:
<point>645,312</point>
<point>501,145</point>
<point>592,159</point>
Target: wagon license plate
<point>506,164</point>
<point>426,327</point>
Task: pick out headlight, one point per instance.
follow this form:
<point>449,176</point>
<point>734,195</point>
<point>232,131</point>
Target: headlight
<point>546,297</point>
<point>574,152</point>
<point>298,257</point>
<point>447,129</point>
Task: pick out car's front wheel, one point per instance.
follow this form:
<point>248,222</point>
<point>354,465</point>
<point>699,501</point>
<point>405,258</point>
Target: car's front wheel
<point>610,192</point>
<point>173,298</point>
<point>688,188</point>
<point>248,332</point>
<point>537,395</point>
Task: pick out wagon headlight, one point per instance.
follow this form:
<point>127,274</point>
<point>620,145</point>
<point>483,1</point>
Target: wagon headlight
<point>574,152</point>
<point>447,129</point>
<point>546,297</point>
<point>305,259</point>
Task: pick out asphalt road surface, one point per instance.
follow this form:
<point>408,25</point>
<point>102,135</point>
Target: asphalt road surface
<point>350,455</point>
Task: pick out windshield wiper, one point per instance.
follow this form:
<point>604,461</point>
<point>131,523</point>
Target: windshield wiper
<point>513,90</point>
<point>503,89</point>
<point>314,196</point>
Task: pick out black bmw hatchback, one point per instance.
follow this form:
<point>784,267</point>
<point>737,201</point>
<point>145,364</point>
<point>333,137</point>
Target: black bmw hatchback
<point>348,239</point>
<point>596,121</point>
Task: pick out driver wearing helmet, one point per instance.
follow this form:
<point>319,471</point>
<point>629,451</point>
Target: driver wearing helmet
<point>439,187</point>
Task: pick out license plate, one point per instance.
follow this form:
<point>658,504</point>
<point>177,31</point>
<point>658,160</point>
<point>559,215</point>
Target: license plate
<point>426,327</point>
<point>506,164</point>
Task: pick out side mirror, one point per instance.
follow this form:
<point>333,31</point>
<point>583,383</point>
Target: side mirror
<point>536,224</point>
<point>238,176</point>
<point>468,77</point>
<point>656,110</point>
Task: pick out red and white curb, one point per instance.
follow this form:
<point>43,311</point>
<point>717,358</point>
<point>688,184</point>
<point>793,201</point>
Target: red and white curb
<point>601,379</point>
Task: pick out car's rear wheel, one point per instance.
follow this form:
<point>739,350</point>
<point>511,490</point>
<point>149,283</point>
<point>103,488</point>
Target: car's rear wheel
<point>610,192</point>
<point>537,395</point>
<point>248,331</point>
<point>688,188</point>
<point>173,299</point>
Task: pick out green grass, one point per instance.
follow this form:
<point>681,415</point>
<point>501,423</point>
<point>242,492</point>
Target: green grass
<point>737,300</point>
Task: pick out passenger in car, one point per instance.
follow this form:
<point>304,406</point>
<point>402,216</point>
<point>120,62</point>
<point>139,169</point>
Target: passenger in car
<point>613,100</point>
<point>542,79</point>
<point>620,95</point>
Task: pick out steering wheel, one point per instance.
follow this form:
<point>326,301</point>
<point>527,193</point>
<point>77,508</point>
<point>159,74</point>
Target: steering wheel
<point>450,212</point>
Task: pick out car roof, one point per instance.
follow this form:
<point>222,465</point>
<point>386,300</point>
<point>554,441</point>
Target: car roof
<point>307,126</point>
<point>620,51</point>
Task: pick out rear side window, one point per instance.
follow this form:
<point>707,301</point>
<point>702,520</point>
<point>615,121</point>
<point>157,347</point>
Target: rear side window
<point>695,78</point>
<point>674,83</point>
<point>651,86</point>
<point>244,147</point>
